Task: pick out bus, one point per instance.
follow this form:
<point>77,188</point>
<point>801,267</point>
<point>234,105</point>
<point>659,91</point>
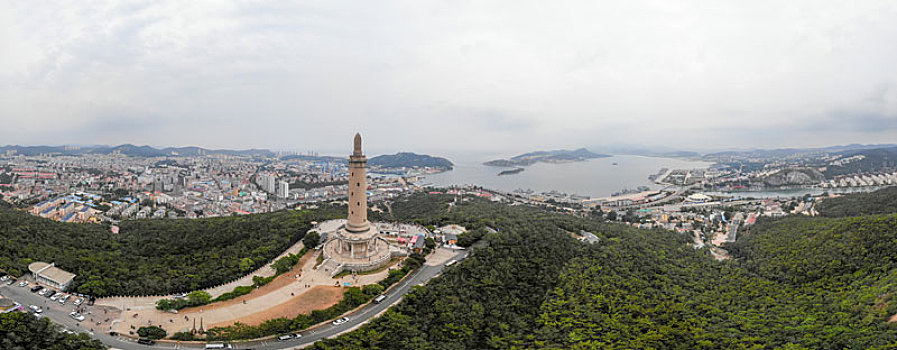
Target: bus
<point>380,299</point>
<point>450,263</point>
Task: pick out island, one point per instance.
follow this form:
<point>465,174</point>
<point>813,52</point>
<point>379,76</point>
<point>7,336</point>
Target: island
<point>510,171</point>
<point>410,160</point>
<point>556,156</point>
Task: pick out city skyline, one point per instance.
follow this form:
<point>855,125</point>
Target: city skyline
<point>429,77</point>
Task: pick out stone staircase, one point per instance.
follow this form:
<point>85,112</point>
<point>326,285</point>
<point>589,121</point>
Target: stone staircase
<point>331,266</point>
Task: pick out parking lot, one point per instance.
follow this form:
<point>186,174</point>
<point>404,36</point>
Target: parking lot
<point>88,319</point>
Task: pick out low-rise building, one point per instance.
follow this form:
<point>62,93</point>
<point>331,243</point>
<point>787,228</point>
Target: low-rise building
<point>51,275</point>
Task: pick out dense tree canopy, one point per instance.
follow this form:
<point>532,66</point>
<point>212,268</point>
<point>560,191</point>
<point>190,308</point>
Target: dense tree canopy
<point>796,283</point>
<point>883,201</point>
<point>22,331</point>
<point>153,256</point>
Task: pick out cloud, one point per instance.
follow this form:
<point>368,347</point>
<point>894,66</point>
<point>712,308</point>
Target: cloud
<point>448,75</point>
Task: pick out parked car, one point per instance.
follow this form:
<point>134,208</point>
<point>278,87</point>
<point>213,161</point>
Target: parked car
<point>146,341</point>
<point>78,317</point>
<point>4,278</point>
<point>340,321</point>
<point>64,298</point>
<point>35,308</point>
<point>56,296</point>
<point>10,282</point>
<point>23,283</point>
<point>36,288</point>
<point>44,292</point>
<point>78,302</point>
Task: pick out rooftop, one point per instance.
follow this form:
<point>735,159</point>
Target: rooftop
<point>53,273</point>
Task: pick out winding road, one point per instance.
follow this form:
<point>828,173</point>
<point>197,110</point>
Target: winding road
<point>59,314</point>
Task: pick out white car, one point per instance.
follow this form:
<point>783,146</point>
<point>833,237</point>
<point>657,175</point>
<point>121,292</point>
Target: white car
<point>340,321</point>
<point>56,296</point>
<point>36,309</point>
<point>289,336</point>
<point>23,283</point>
<point>78,302</point>
<point>4,278</point>
<point>77,316</point>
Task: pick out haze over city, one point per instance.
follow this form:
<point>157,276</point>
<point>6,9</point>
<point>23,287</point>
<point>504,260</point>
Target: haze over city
<point>462,76</point>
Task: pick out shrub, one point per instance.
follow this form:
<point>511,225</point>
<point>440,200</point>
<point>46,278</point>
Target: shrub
<point>151,332</point>
<point>184,336</point>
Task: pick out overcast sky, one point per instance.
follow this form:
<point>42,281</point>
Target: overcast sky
<point>449,75</point>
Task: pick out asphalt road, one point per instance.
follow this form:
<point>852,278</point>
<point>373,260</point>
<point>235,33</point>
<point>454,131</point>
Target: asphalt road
<point>52,309</point>
<point>59,314</point>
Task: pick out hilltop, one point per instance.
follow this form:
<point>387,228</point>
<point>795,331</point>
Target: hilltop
<point>555,156</point>
<point>410,160</point>
<point>883,201</point>
<point>796,283</point>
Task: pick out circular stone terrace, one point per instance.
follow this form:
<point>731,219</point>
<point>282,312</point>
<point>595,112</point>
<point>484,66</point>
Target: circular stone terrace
<point>389,242</point>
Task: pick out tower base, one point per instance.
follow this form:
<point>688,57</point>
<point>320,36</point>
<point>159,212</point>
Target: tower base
<point>349,251</point>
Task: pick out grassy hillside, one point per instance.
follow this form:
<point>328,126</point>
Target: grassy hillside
<point>152,256</point>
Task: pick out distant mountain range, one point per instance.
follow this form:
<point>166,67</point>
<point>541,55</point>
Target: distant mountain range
<point>555,156</point>
<point>784,152</point>
<point>711,154</point>
<point>410,160</point>
<point>132,151</point>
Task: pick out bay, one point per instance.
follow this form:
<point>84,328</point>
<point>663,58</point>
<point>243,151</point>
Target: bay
<point>594,178</point>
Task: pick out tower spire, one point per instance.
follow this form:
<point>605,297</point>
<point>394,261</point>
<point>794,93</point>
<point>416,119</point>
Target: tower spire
<point>357,151</point>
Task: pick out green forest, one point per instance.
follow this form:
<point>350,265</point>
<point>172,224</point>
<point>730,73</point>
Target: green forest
<point>795,283</point>
<point>22,331</point>
<point>151,257</point>
<point>882,201</point>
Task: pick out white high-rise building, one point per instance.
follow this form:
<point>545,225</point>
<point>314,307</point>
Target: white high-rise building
<point>283,191</point>
<point>271,184</point>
